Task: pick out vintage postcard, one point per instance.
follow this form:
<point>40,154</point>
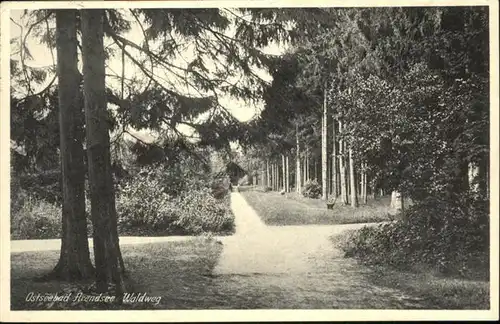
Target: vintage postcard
<point>251,161</point>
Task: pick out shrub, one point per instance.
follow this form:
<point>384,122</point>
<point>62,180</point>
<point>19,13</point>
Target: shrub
<point>143,204</point>
<point>311,189</point>
<point>45,185</point>
<point>35,218</point>
<point>199,212</point>
<point>220,187</point>
<point>450,236</point>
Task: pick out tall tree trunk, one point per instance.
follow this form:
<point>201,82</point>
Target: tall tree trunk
<point>360,181</point>
<point>275,187</point>
<point>276,175</point>
<point>287,189</point>
<point>342,165</point>
<point>315,163</point>
<point>278,184</point>
<point>268,174</point>
<point>354,193</point>
<point>307,166</point>
<point>74,261</point>
<point>324,148</point>
<point>305,176</point>
<point>363,184</point>
<point>298,183</point>
<point>334,161</point>
<point>283,167</point>
<point>108,259</point>
<point>273,177</point>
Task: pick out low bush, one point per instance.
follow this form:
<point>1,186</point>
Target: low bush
<point>311,189</point>
<point>34,218</point>
<point>450,236</point>
<point>199,212</point>
<point>145,205</point>
<point>220,187</point>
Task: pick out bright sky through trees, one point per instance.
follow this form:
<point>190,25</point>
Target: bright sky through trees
<point>42,56</point>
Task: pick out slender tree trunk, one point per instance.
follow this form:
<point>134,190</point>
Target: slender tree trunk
<point>278,180</point>
<point>342,165</point>
<point>334,161</point>
<point>306,173</point>
<point>287,189</point>
<point>315,164</point>
<point>276,177</point>
<point>268,179</point>
<point>335,185</point>
<point>298,184</point>
<point>272,177</point>
<point>74,261</point>
<point>354,196</point>
<point>324,148</point>
<point>275,173</point>
<point>108,260</point>
<point>360,181</point>
<point>283,170</point>
<point>364,184</point>
<point>306,166</point>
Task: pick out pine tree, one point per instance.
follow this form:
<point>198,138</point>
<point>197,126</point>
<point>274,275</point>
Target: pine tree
<point>108,259</point>
<point>74,261</point>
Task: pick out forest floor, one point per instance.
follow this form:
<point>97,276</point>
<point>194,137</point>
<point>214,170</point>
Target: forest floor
<point>260,267</point>
<point>293,209</point>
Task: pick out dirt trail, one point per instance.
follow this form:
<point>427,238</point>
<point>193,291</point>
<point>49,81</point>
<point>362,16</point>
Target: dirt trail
<point>295,267</point>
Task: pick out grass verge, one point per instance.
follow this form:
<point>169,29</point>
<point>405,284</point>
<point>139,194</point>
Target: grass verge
<point>291,209</point>
<point>441,292</point>
<point>437,289</point>
<point>175,271</point>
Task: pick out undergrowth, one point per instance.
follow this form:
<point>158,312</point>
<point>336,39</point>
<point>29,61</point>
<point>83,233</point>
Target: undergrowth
<point>451,237</point>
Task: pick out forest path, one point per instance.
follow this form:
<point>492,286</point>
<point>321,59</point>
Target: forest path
<point>295,267</point>
<point>17,246</point>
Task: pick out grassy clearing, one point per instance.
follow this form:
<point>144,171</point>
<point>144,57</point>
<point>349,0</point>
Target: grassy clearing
<point>176,271</point>
<point>291,209</point>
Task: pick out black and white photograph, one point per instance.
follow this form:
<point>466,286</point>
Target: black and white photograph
<point>261,157</point>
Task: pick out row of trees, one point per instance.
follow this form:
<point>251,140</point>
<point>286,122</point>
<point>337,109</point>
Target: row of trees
<point>388,99</point>
<point>397,97</point>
